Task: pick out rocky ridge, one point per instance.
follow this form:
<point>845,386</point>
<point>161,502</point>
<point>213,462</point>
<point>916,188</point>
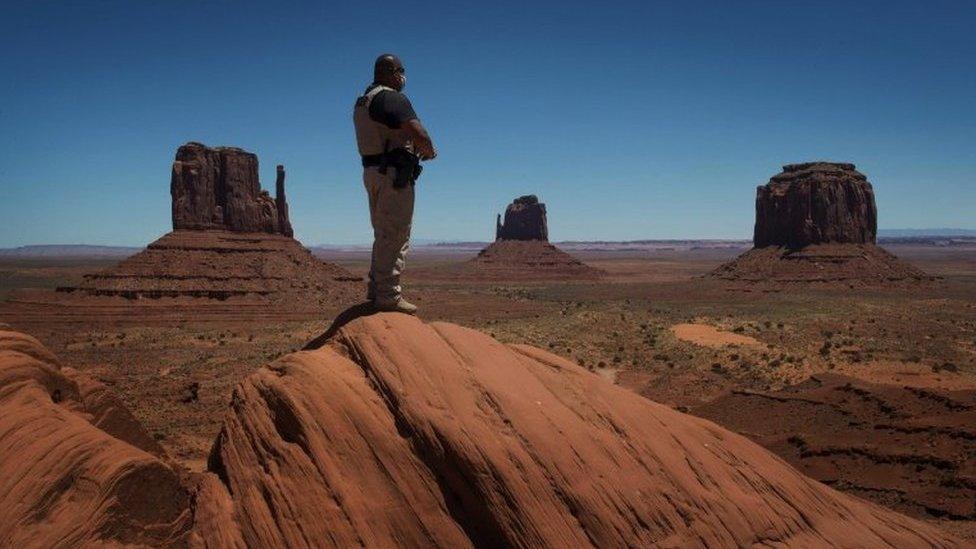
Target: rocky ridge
<point>76,469</point>
<point>397,432</point>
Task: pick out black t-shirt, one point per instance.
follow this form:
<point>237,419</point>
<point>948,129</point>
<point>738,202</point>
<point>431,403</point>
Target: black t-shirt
<point>391,108</point>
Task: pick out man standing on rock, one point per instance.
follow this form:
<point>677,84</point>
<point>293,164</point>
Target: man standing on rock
<point>391,141</point>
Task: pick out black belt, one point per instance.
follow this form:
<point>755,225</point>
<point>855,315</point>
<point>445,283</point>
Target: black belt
<point>371,160</point>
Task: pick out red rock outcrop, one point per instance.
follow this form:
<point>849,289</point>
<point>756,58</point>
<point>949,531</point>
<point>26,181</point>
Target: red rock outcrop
<point>218,188</point>
<point>284,223</point>
<point>525,219</point>
<point>817,223</point>
<point>522,251</point>
<point>815,203</point>
<point>230,241</point>
<point>75,468</point>
<point>400,433</point>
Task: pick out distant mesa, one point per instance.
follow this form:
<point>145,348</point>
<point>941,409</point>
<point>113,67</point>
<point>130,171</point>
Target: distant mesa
<point>815,203</point>
<point>394,432</point>
<point>525,219</point>
<point>230,239</point>
<point>817,222</point>
<point>522,251</point>
<point>218,188</point>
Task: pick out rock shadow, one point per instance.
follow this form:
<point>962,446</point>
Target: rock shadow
<point>345,317</point>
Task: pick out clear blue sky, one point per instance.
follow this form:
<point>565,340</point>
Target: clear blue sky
<point>631,120</point>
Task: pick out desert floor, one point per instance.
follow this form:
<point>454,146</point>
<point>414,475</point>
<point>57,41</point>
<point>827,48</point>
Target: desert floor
<point>871,391</point>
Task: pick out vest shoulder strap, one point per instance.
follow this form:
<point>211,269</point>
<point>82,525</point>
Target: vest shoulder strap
<point>373,93</point>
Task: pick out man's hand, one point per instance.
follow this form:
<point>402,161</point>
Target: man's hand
<point>422,144</point>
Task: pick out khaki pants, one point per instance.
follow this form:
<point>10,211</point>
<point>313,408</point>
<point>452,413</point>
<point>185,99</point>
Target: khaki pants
<point>391,213</point>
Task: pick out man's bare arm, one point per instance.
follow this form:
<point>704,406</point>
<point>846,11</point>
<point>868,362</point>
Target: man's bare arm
<point>421,139</point>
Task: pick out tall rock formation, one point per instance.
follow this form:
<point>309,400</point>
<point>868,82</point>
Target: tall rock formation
<point>525,219</point>
<point>284,224</point>
<point>522,251</point>
<point>218,188</point>
<point>230,239</point>
<point>815,203</point>
<point>816,222</point>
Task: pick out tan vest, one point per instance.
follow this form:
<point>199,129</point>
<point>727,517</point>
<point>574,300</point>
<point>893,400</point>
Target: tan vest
<point>375,137</point>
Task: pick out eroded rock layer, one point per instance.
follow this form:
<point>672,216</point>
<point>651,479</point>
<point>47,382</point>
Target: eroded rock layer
<point>845,264</point>
<point>526,260</point>
<point>221,265</point>
<point>400,433</point>
<point>76,469</point>
<point>230,241</point>
<point>817,222</point>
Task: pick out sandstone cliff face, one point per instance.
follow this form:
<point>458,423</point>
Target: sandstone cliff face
<point>218,188</point>
<point>75,468</point>
<point>525,219</point>
<point>815,203</point>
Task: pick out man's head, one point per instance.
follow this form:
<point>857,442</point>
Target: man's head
<point>388,71</point>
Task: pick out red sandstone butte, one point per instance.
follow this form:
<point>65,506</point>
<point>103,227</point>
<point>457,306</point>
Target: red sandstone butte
<point>817,223</point>
<point>218,188</point>
<point>525,219</point>
<point>230,241</point>
<point>522,251</point>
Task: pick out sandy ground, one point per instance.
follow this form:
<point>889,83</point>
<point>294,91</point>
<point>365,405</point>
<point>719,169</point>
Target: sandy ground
<point>709,336</point>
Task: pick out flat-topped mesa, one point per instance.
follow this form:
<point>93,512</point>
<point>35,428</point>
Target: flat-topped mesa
<point>218,188</point>
<point>815,203</point>
<point>525,219</point>
<point>817,223</point>
<point>230,240</point>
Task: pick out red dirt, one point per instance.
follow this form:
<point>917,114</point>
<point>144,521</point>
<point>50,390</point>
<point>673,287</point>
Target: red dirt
<point>709,336</point>
<point>907,446</point>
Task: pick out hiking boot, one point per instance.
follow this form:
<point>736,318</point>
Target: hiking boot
<point>399,306</point>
